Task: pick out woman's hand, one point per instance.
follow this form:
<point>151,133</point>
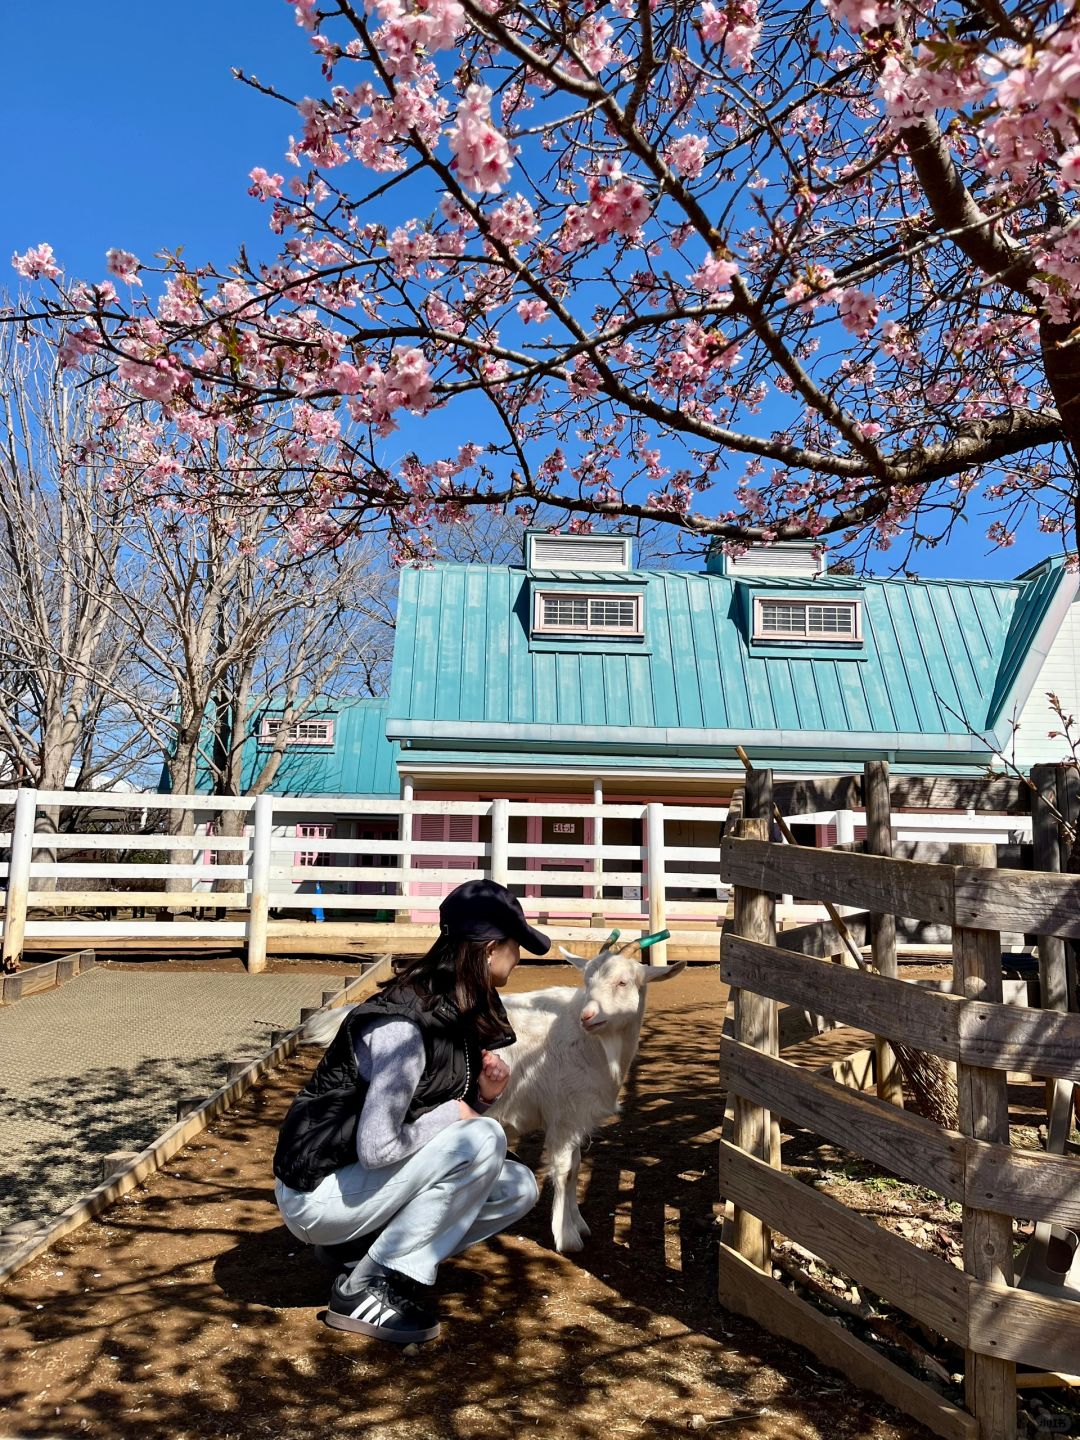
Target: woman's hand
<point>467,1112</point>
<point>494,1077</point>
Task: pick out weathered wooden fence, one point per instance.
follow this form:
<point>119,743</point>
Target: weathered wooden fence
<point>979,1307</point>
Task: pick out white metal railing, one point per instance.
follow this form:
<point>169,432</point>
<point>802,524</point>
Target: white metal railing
<point>123,879</point>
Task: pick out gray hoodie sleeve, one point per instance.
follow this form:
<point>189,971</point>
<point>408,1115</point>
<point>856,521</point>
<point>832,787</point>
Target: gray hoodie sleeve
<point>390,1056</point>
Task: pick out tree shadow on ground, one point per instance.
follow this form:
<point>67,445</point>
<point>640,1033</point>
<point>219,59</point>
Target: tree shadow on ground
<point>190,1311</point>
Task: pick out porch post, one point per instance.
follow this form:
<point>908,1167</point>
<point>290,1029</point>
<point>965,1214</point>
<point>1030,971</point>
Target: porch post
<point>499,859</point>
<point>18,879</point>
<point>405,835</point>
<point>597,917</point>
<point>654,840</point>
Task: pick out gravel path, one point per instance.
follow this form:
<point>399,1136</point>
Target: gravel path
<point>98,1064</point>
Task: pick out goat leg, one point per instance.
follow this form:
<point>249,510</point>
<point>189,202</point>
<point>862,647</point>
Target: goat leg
<point>563,1228</point>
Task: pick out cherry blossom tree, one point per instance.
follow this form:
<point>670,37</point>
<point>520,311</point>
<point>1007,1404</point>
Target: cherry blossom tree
<point>761,270</point>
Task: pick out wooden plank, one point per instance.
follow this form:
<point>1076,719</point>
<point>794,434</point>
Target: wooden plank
<point>36,978</point>
<point>896,887</point>
<point>125,899</point>
<point>989,1378</point>
<point>176,1136</point>
<point>822,938</point>
<point>748,1292</point>
<point>1012,1325</point>
<point>928,1289</point>
<point>924,1019</point>
<point>1007,1037</point>
<point>901,1142</point>
<point>1027,1184</point>
<point>1018,900</point>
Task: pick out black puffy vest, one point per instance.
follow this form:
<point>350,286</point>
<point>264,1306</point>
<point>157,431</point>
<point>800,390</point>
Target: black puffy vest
<point>319,1133</point>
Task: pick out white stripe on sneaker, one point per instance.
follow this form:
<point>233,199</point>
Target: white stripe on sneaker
<point>367,1305</point>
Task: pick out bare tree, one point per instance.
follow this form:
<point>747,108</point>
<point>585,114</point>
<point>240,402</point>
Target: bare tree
<point>65,658</point>
<point>236,629</point>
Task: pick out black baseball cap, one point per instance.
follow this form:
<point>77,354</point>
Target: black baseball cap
<point>483,910</point>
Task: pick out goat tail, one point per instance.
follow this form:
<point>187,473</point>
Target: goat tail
<point>322,1028</point>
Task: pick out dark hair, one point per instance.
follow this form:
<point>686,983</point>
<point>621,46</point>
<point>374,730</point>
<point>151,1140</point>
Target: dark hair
<point>459,969</point>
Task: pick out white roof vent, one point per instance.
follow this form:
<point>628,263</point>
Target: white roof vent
<point>801,559</point>
<point>578,552</point>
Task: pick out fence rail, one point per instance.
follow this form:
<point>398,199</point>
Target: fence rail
<point>979,1308</point>
<point>133,861</point>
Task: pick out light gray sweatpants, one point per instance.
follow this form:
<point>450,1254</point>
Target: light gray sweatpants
<point>456,1190</point>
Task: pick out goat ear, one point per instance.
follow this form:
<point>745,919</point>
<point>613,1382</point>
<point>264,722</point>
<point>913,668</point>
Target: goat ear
<point>662,972</point>
<point>578,960</point>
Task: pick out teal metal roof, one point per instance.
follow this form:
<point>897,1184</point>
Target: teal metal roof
<point>361,761</point>
<point>941,663</point>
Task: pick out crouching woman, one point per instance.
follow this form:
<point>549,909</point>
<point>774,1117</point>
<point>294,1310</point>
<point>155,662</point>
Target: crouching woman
<point>389,1134</point>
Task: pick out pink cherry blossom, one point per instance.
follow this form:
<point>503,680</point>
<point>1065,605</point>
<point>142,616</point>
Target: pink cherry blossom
<point>37,263</point>
<point>858,311</point>
<point>687,155</point>
<point>481,154</point>
<point>265,186</point>
<point>532,311</point>
<point>123,265</point>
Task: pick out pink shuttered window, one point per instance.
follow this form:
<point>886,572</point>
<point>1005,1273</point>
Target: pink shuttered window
<point>312,832</point>
<point>300,732</point>
<point>444,829</point>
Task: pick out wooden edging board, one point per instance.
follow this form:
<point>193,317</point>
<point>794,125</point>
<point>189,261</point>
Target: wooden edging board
<point>1029,1184</point>
<point>33,979</point>
<point>177,1136</point>
<point>1034,902</point>
<point>750,1292</point>
<point>991,1319</point>
<point>971,1032</point>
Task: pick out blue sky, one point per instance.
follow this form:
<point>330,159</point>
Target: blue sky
<point>124,126</point>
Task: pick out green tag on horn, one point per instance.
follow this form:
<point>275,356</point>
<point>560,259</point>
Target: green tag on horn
<point>647,940</point>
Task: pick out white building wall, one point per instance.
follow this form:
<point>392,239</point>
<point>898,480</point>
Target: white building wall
<point>1060,675</point>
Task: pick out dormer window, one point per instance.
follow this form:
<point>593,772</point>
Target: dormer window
<point>833,621</point>
<point>300,732</point>
<point>563,612</point>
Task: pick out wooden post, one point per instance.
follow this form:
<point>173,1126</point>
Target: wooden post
<point>654,840</point>
<point>755,1021</point>
<point>989,1382</point>
<point>259,899</point>
<point>18,880</point>
<point>1068,799</point>
<point>1046,845</point>
<point>498,861</point>
<point>882,927</point>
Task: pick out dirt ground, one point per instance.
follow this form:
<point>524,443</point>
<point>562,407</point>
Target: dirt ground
<point>187,1310</point>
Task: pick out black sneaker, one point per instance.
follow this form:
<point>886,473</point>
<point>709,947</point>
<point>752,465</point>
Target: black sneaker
<point>387,1308</point>
<point>346,1255</point>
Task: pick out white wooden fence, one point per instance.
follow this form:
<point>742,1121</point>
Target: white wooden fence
<point>219,888</point>
<point>400,875</point>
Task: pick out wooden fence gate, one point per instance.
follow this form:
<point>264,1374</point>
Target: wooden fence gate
<point>979,1307</point>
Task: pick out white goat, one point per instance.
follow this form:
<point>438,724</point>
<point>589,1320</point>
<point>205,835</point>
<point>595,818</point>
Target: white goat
<point>573,1052</point>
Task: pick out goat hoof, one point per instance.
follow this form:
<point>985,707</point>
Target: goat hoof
<point>569,1243</point>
